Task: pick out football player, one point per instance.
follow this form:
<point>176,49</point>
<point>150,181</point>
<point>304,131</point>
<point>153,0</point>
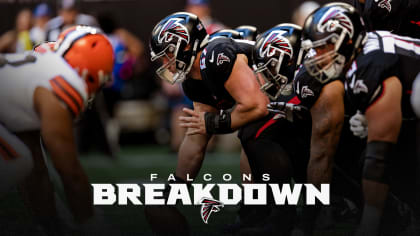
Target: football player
<point>277,144</point>
<point>41,94</point>
<point>219,77</point>
<point>379,68</point>
<point>399,17</point>
<point>215,74</point>
<point>289,132</point>
<point>325,101</point>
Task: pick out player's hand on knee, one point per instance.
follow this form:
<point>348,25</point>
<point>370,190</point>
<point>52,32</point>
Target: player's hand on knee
<point>358,125</point>
<point>195,122</point>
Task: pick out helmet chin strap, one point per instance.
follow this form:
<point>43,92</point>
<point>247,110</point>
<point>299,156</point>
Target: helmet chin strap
<point>360,41</point>
<point>181,75</point>
<point>194,54</point>
<point>204,42</point>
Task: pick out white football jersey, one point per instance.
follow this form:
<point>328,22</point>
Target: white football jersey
<point>21,74</point>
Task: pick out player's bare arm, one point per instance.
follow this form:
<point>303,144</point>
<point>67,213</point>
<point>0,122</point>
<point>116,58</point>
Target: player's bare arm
<point>192,150</point>
<point>327,120</point>
<point>384,125</point>
<point>38,201</point>
<point>384,128</point>
<point>251,103</point>
<point>57,134</point>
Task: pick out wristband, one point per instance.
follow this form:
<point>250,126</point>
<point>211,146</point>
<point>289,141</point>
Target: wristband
<point>218,123</point>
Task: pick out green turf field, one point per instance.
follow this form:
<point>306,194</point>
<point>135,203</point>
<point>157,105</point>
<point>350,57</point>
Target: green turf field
<point>134,165</point>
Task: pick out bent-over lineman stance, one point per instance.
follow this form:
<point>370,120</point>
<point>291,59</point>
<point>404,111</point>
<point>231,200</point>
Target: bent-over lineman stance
<point>41,93</point>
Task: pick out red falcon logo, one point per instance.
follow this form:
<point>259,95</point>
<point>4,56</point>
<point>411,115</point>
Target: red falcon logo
<point>335,18</point>
<point>275,41</point>
<point>173,28</point>
<point>208,206</point>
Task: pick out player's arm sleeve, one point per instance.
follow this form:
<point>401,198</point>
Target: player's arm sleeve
<point>197,91</point>
<point>71,96</point>
<point>220,61</point>
<point>307,89</point>
<point>366,86</point>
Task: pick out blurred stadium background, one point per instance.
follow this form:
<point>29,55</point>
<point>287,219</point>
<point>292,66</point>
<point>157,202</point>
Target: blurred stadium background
<point>126,135</point>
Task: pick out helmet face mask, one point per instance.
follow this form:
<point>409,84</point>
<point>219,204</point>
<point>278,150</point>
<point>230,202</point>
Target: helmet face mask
<point>172,70</point>
<point>324,62</point>
<point>175,42</point>
<point>332,36</point>
<point>275,58</point>
<point>269,78</point>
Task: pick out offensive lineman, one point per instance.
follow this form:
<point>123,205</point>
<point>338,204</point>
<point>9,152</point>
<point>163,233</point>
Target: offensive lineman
<point>278,143</point>
<point>379,68</point>
<point>220,82</point>
<point>324,98</point>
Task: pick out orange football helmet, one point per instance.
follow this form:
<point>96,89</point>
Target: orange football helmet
<point>89,52</point>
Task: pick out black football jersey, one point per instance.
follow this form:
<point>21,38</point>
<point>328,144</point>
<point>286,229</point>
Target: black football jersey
<point>384,55</point>
<point>398,16</point>
<point>216,64</point>
<point>308,89</point>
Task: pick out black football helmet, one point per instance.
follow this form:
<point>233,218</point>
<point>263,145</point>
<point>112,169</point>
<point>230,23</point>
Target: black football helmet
<point>248,32</point>
<point>176,40</point>
<point>226,33</point>
<point>275,55</point>
<point>333,35</point>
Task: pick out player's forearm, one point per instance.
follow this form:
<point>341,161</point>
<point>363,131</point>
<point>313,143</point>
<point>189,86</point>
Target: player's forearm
<point>191,155</point>
<point>79,194</point>
<point>327,121</point>
<point>76,185</point>
<point>243,114</point>
<point>326,130</point>
<point>322,156</point>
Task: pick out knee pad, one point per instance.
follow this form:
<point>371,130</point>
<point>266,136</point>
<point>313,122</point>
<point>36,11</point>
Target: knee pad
<point>378,155</point>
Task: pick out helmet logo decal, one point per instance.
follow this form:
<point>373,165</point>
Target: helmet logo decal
<point>334,19</point>
<point>173,28</point>
<point>275,41</point>
<point>385,4</point>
